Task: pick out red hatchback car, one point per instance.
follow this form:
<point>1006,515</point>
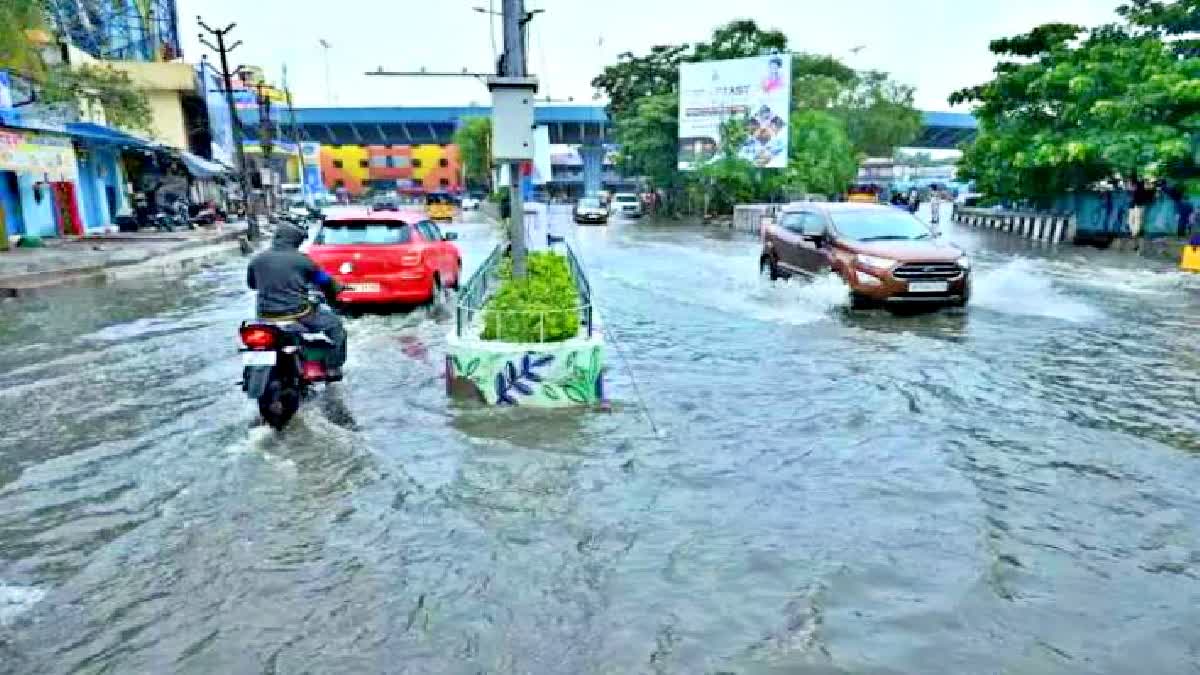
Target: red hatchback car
<point>387,257</point>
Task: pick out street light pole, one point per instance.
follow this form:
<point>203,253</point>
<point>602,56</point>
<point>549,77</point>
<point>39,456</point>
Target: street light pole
<point>227,78</point>
<point>328,80</point>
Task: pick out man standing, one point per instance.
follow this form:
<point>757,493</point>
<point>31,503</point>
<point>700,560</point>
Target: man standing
<point>935,206</point>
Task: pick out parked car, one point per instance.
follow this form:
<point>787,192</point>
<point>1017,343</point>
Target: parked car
<point>470,203</point>
<point>387,257</point>
<point>886,256</point>
<point>627,204</point>
<point>591,210</point>
<point>385,202</point>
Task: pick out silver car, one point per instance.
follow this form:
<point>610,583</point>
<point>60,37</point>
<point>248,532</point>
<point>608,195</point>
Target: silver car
<point>628,204</point>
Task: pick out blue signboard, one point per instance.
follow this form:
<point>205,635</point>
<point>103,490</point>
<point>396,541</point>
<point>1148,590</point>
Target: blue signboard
<point>219,121</point>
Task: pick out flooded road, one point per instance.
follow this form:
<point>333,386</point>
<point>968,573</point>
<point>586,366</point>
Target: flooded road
<point>783,485</point>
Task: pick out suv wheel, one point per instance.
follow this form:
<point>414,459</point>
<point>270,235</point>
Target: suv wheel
<point>860,301</point>
<point>769,266</point>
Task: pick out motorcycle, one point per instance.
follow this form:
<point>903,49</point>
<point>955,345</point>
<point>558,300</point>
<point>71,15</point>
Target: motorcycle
<point>282,364</point>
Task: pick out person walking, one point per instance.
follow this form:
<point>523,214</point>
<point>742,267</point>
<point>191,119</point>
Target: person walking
<point>935,206</point>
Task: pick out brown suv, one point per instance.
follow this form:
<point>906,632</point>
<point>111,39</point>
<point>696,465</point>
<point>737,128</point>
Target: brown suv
<point>886,256</point>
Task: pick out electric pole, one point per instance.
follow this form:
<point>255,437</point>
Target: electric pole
<point>266,141</point>
<point>287,92</point>
<point>227,77</point>
<point>513,62</point>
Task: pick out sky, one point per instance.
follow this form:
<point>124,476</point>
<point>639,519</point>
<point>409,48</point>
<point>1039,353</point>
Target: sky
<point>937,46</point>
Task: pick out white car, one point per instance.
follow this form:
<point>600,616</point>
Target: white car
<point>470,203</point>
<point>627,204</point>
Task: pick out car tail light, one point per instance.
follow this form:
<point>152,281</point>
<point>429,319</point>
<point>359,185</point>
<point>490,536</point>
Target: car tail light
<point>410,259</point>
<point>257,337</point>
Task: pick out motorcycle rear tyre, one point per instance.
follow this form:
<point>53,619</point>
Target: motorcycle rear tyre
<point>278,405</point>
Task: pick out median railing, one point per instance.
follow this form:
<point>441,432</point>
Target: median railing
<point>472,315</point>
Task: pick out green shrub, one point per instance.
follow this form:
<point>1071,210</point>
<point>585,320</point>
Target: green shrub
<point>515,312</point>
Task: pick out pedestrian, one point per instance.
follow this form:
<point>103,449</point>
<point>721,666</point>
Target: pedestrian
<point>935,206</point>
<point>1142,197</point>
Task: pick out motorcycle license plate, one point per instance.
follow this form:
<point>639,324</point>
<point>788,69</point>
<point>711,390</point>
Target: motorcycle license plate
<point>928,287</point>
<point>251,359</point>
<point>362,288</point>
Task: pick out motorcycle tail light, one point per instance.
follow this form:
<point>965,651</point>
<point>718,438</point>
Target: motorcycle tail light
<point>257,337</point>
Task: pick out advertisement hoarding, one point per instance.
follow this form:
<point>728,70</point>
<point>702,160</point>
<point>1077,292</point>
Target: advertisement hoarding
<point>756,91</point>
<point>219,121</point>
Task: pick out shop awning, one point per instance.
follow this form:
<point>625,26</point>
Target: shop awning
<point>103,134</point>
<point>200,167</point>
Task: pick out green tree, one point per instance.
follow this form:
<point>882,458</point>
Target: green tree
<point>474,141</point>
<point>17,19</point>
<point>1081,106</point>
<point>821,158</point>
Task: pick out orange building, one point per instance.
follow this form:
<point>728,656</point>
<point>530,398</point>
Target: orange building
<point>416,168</point>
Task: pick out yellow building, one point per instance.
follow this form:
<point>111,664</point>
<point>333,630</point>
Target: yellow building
<point>165,85</point>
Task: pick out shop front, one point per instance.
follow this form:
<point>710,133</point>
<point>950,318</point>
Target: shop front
<point>38,184</point>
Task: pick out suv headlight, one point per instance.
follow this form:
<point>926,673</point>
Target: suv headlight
<point>875,261</point>
<point>964,262</point>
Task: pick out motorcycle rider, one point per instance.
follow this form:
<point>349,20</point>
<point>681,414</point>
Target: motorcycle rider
<point>282,275</point>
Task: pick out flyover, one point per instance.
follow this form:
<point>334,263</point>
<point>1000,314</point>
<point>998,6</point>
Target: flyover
<point>571,124</point>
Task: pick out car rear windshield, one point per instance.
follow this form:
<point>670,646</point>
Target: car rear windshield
<point>590,203</point>
<point>364,232</point>
<point>880,225</point>
<point>626,198</point>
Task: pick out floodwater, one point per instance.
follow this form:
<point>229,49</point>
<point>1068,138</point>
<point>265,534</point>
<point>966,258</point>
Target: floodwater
<point>783,485</point>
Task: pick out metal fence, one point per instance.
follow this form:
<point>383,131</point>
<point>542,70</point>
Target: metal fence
<point>471,313</point>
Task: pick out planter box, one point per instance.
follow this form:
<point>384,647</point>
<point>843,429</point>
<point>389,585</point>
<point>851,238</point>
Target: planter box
<point>543,375</point>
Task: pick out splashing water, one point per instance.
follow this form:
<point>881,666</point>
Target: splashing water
<point>15,600</point>
<point>1022,286</point>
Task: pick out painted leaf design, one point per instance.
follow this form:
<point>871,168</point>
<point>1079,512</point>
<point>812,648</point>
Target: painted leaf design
<point>533,377</point>
<point>548,392</point>
<point>472,366</point>
<point>512,371</point>
<point>523,388</point>
<point>570,361</point>
<point>574,393</point>
<point>525,364</point>
<point>501,387</point>
<point>456,365</point>
<point>543,360</point>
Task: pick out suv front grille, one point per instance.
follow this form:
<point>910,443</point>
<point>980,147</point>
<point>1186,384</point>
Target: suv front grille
<point>927,271</point>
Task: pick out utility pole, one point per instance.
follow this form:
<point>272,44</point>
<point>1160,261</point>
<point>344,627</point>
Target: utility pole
<point>287,92</point>
<point>513,62</point>
<point>266,141</point>
<point>227,77</point>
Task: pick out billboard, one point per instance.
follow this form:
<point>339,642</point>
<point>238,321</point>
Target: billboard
<point>756,90</point>
<point>220,123</point>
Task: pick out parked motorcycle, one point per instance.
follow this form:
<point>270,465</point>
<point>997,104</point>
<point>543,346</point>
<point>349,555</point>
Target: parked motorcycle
<point>282,363</point>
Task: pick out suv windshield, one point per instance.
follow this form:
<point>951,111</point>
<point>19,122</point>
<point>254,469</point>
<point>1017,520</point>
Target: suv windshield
<point>589,203</point>
<point>364,232</point>
<point>626,198</point>
<point>879,225</point>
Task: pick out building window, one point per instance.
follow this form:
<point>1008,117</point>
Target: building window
<point>416,163</point>
<point>337,163</point>
<point>339,184</point>
<point>445,182</point>
<point>443,162</point>
<point>363,164</point>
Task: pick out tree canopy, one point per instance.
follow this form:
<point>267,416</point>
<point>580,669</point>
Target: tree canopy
<point>1070,106</point>
<point>474,141</point>
<point>838,115</point>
